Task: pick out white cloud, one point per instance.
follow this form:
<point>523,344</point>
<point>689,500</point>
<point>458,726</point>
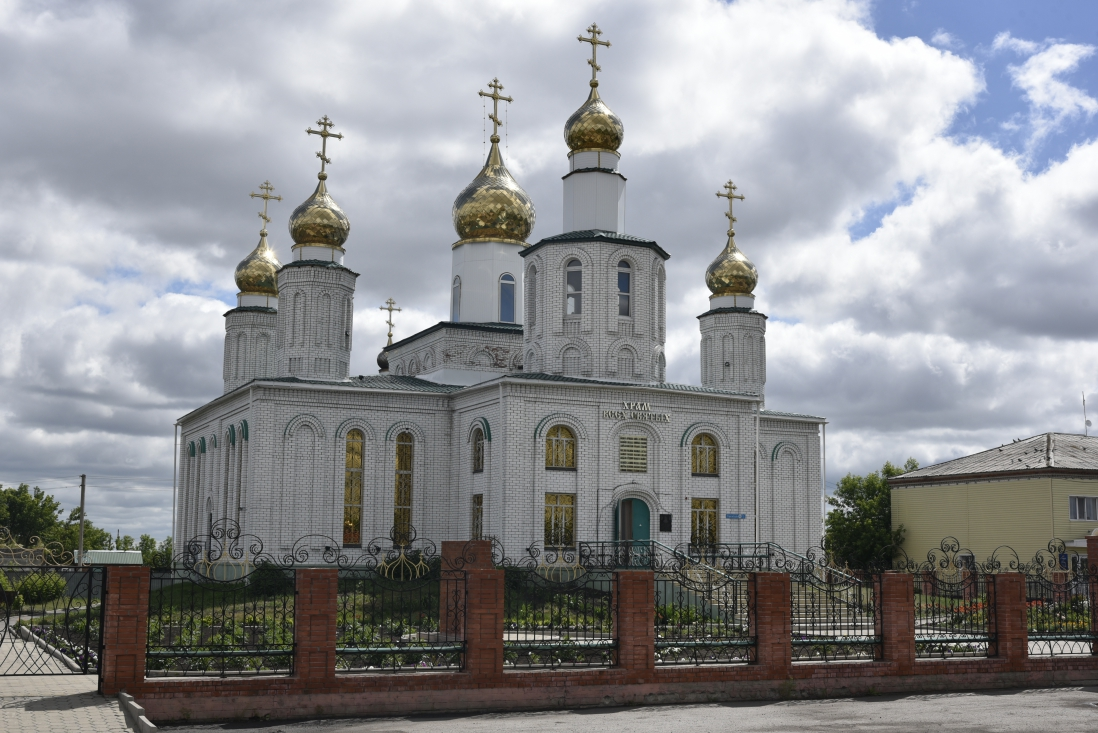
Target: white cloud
<point>964,320</point>
<point>945,39</point>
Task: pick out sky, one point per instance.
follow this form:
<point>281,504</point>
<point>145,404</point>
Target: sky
<point>921,184</point>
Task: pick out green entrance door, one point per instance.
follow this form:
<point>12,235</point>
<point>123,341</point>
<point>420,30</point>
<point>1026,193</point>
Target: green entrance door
<point>635,520</point>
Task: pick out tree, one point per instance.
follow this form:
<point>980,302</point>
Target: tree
<point>28,514</point>
<point>858,529</point>
<point>68,534</point>
<point>153,555</point>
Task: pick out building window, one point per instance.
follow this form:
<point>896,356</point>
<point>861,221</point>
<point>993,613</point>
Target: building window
<point>624,288</point>
<point>573,280</point>
<point>703,455</point>
<point>1084,508</point>
<point>703,522</point>
<point>402,496</point>
<point>560,516</point>
<point>478,451</point>
<point>560,448</point>
<point>478,517</point>
<point>507,299</point>
<point>455,301</point>
<point>352,489</point>
<point>633,454</point>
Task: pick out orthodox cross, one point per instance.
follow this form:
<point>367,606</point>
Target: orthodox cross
<point>266,188</point>
<point>389,306</point>
<point>496,98</point>
<point>731,189</point>
<point>324,133</point>
<point>595,43</point>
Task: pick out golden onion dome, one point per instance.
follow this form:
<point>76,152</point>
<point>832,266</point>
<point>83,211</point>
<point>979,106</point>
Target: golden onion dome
<point>494,207</point>
<point>731,273</point>
<point>319,221</point>
<point>593,126</point>
<point>257,274</point>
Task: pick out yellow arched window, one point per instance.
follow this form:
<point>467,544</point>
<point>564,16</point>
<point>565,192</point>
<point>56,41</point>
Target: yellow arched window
<point>402,496</point>
<point>560,448</point>
<point>478,450</point>
<point>352,489</point>
<point>703,455</point>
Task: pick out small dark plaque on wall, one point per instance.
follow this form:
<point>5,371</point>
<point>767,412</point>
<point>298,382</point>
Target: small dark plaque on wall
<point>665,523</point>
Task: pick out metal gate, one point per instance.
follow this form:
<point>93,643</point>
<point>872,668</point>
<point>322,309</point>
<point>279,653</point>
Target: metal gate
<point>51,617</point>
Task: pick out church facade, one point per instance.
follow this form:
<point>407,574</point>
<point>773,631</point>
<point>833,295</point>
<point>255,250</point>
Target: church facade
<point>538,414</point>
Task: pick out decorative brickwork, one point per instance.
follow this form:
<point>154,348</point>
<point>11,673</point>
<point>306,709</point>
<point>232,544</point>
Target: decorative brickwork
<point>125,629</point>
<point>315,626</point>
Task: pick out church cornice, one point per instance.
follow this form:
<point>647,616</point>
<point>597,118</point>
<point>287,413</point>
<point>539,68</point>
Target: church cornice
<point>507,328</point>
<point>318,263</point>
<point>250,309</point>
<point>731,310</point>
<point>597,235</point>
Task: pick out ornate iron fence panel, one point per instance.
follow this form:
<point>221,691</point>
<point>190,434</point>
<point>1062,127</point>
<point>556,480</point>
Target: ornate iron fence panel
<point>558,606</point>
<point>406,614</point>
<point>1059,611</point>
<point>953,613</point>
<point>835,615</point>
<point>201,624</point>
<point>51,617</point>
<point>703,614</point>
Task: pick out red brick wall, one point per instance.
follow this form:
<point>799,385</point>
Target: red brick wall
<point>315,690</point>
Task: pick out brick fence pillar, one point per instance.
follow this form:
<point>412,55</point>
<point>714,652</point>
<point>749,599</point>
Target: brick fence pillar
<point>1092,584</point>
<point>1009,607</point>
<point>315,613</point>
<point>772,623</point>
<point>483,604</point>
<point>125,629</point>
<point>635,620</point>
<point>898,620</point>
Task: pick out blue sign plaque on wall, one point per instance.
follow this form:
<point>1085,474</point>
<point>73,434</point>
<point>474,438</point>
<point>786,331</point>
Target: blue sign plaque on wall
<point>735,516</point>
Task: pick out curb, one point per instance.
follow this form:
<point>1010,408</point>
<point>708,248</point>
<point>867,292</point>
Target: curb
<point>135,714</point>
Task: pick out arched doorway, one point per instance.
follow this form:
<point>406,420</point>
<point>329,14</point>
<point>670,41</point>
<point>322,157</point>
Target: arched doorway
<point>634,520</point>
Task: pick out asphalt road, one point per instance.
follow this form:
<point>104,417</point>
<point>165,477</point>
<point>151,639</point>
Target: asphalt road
<point>1060,709</point>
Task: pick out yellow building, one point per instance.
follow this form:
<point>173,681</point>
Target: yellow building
<point>1021,494</point>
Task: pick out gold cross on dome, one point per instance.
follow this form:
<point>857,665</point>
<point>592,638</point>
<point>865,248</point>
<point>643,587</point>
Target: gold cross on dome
<point>266,188</point>
<point>324,133</point>
<point>390,306</point>
<point>496,98</point>
<point>595,43</point>
<point>730,195</point>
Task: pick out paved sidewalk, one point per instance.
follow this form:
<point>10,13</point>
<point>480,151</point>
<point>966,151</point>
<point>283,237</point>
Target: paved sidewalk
<point>35,704</point>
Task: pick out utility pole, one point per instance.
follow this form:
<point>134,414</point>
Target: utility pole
<point>83,484</point>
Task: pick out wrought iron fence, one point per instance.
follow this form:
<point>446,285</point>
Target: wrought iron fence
<point>1059,613</point>
<point>558,609</point>
<point>703,608</point>
<point>202,625</point>
<point>835,615</point>
<point>404,612</point>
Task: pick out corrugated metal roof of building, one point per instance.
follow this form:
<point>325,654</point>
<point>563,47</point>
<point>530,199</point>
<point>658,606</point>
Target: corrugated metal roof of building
<point>376,381</point>
<point>1048,451</point>
<point>111,557</point>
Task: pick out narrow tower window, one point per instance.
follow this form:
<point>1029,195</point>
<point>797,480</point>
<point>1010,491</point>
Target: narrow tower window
<point>624,288</point>
<point>352,489</point>
<point>573,280</point>
<point>507,299</point>
<point>402,496</point>
<point>478,451</point>
<point>455,301</point>
<point>560,448</point>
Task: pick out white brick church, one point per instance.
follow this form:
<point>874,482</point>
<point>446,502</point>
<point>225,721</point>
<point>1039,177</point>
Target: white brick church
<point>538,414</point>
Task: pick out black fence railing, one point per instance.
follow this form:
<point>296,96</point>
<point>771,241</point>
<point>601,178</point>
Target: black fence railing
<point>202,625</point>
<point>1059,612</point>
<point>406,614</point>
<point>703,616</point>
<point>835,616</point>
<point>953,613</point>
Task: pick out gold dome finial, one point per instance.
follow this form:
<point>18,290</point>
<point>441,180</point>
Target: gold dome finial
<point>731,273</point>
<point>319,221</point>
<point>257,274</point>
<point>493,207</point>
<point>594,126</point>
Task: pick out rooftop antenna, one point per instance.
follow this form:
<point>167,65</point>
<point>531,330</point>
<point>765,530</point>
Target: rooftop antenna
<point>1086,423</point>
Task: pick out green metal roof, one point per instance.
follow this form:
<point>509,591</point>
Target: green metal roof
<point>598,235</point>
<point>489,327</point>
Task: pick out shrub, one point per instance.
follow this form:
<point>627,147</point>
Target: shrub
<point>40,588</point>
<point>270,580</point>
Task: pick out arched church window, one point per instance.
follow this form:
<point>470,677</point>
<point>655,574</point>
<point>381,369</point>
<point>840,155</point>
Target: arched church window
<point>573,285</point>
<point>352,489</point>
<point>478,451</point>
<point>570,361</point>
<point>455,301</point>
<point>703,455</point>
<point>402,495</point>
<point>624,288</point>
<point>507,298</point>
<point>560,448</point>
